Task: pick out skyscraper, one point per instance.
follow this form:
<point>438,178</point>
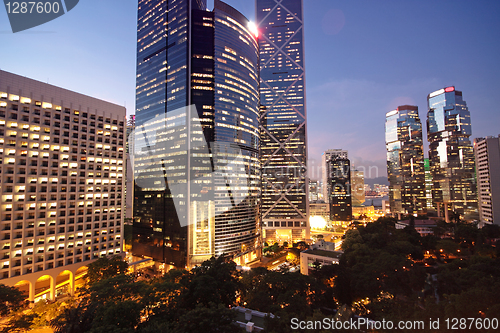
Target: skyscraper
<point>405,160</point>
<point>428,183</point>
<point>357,187</point>
<point>451,155</point>
<point>197,137</point>
<point>283,120</point>
<point>62,191</point>
<point>339,188</point>
<point>313,190</point>
<point>326,156</point>
<point>487,153</point>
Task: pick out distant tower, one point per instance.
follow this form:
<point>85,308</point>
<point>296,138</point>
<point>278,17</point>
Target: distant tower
<point>339,188</point>
<point>405,160</point>
<point>451,155</point>
<point>487,152</point>
<point>283,121</point>
<point>313,190</point>
<point>327,155</point>
<point>357,187</point>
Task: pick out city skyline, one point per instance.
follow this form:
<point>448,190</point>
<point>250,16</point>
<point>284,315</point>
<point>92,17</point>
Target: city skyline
<point>401,66</point>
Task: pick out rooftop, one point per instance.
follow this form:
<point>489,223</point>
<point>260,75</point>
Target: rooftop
<point>325,253</point>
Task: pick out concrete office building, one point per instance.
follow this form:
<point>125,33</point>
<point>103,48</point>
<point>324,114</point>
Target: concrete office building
<point>487,153</point>
<point>62,184</point>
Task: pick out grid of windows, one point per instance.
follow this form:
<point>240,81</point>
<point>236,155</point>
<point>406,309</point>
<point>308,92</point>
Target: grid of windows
<point>405,160</point>
<point>283,120</point>
<point>62,184</point>
<point>487,153</point>
<point>451,156</point>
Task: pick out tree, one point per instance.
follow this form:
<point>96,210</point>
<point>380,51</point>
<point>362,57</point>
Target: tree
<point>103,305</point>
<point>275,248</point>
<point>214,281</point>
<point>11,299</point>
<point>208,319</point>
<point>105,268</point>
<point>19,322</point>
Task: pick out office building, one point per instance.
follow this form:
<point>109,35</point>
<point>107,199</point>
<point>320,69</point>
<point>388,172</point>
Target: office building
<point>451,156</point>
<point>326,156</point>
<point>428,184</point>
<point>487,153</point>
<point>310,258</point>
<point>405,161</point>
<point>314,188</point>
<point>357,188</point>
<point>62,184</point>
<point>283,121</point>
<point>339,188</point>
<point>197,137</point>
<point>319,209</point>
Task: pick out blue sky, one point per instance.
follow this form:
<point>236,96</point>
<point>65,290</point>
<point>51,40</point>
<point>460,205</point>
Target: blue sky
<point>363,59</point>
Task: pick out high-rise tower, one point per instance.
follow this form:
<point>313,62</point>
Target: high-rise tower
<point>283,120</point>
<point>451,155</point>
<point>339,188</point>
<point>62,184</point>
<point>196,137</point>
<point>487,153</point>
<point>405,160</point>
<point>325,157</point>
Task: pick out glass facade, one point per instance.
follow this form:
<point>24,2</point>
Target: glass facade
<point>451,156</point>
<point>193,197</point>
<point>339,183</point>
<point>237,185</point>
<point>283,120</point>
<point>405,161</point>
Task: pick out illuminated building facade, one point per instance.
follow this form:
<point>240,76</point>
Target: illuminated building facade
<point>339,188</point>
<point>405,160</point>
<point>62,183</point>
<point>197,136</point>
<point>451,156</point>
<point>283,121</point>
<point>428,184</point>
<point>487,153</point>
<point>325,157</point>
<point>314,188</point>
<point>357,187</point>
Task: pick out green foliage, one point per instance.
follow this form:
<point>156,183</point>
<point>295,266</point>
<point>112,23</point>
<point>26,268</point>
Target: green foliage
<point>284,293</point>
<point>11,299</point>
<point>105,268</point>
<point>19,322</point>
<point>208,319</point>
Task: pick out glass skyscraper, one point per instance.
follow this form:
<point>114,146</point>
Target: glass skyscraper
<point>283,120</point>
<point>451,156</point>
<point>196,137</point>
<point>405,160</point>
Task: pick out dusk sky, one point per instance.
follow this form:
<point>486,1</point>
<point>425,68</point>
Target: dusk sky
<point>363,59</point>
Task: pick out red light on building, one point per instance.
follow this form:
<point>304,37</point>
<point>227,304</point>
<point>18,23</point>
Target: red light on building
<point>449,89</point>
